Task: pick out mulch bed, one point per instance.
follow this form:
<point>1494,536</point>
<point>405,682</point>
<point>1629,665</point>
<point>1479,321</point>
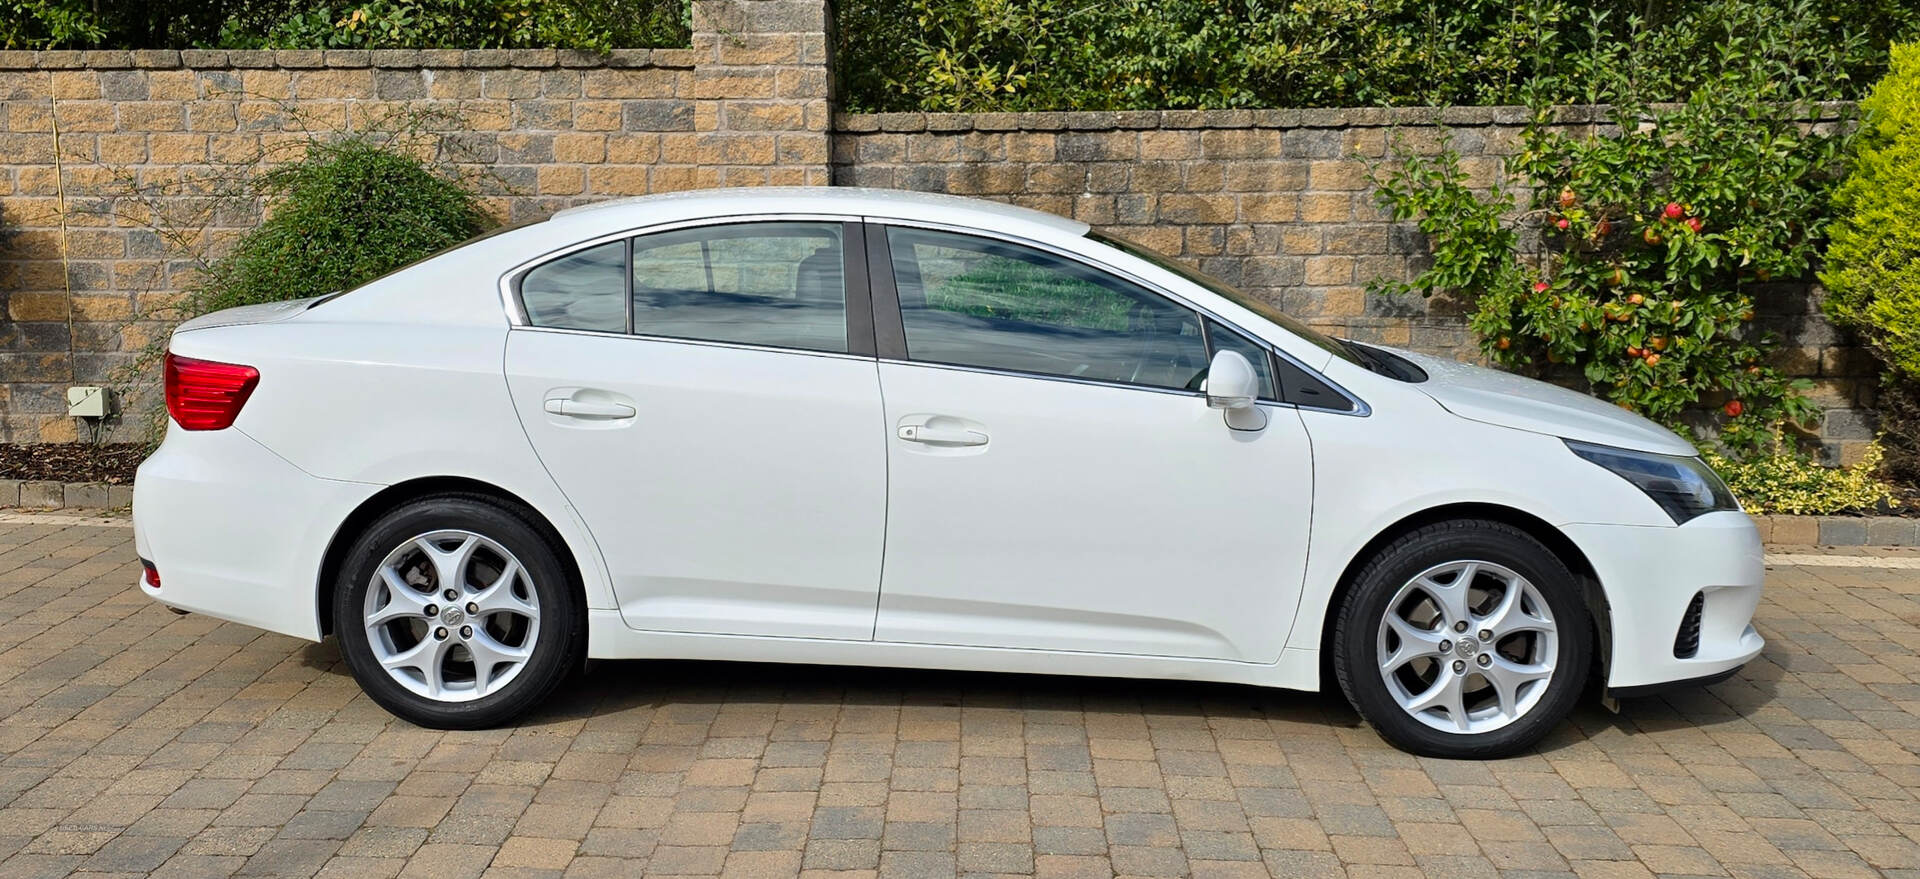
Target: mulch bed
<point>72,462</point>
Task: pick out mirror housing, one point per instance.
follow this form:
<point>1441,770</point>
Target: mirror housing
<point>1231,382</point>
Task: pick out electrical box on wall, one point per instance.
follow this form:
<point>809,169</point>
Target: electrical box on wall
<point>87,402</point>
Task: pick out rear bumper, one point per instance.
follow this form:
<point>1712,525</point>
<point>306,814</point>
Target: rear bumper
<point>235,531</point>
<point>1650,575</point>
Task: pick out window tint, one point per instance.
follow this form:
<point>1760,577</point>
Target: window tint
<point>586,290</point>
<point>977,302</point>
<point>777,284</point>
<point>1220,338</point>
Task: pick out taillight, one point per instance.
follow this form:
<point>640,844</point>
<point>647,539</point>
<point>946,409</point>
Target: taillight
<point>205,395</point>
<point>150,575</point>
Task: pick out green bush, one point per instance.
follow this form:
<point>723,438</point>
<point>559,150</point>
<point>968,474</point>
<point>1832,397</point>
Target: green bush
<point>345,214</point>
<point>595,25</point>
<point>1873,265</point>
<point>1654,237</point>
<point>1786,482</point>
<point>1155,54</point>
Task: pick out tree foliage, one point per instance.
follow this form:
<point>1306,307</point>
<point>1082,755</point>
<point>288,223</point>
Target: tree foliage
<point>968,55</point>
<point>596,25</point>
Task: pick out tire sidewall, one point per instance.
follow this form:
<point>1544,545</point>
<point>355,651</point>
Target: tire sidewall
<point>1357,638</point>
<point>556,649</point>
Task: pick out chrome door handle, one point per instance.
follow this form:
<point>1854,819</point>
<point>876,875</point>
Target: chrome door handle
<point>942,436</point>
<point>584,409</point>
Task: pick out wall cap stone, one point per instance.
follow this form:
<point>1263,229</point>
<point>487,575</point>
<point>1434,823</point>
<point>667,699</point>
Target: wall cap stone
<point>1314,117</point>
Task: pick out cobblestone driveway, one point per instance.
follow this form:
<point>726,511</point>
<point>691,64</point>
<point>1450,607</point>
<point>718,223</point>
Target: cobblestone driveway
<point>136,741</point>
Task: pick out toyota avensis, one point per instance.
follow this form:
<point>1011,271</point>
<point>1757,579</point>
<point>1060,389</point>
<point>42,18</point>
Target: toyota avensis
<point>880,428</point>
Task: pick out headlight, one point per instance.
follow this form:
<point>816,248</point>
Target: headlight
<point>1684,486</point>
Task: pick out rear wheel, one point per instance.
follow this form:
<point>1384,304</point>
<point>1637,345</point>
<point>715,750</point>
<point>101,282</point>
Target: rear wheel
<point>1463,639</point>
<point>454,612</point>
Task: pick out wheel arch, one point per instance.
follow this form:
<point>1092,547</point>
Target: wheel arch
<point>411,490</point>
<point>1539,529</point>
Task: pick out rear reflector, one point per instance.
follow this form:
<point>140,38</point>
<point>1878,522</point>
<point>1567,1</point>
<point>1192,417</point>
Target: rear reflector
<point>150,575</point>
<point>205,395</point>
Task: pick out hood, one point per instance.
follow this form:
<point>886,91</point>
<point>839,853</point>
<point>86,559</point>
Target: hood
<point>263,313</point>
<point>1493,397</point>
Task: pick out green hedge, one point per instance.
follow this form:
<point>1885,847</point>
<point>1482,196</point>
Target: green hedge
<point>596,25</point>
<point>973,55</point>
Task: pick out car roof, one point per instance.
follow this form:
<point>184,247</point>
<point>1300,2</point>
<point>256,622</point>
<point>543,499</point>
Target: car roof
<point>897,204</point>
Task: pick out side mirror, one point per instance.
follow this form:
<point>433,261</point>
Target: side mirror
<point>1231,381</point>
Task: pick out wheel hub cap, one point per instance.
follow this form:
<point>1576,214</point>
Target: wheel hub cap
<point>1467,647</point>
<point>467,648</point>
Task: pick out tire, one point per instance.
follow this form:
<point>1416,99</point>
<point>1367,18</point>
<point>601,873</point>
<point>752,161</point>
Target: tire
<point>1394,673</point>
<point>529,632</point>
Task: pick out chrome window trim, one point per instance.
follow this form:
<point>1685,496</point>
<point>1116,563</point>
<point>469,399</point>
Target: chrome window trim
<point>1068,379</point>
<point>1360,407</point>
<point>704,343</point>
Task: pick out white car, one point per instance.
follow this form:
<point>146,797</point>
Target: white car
<point>869,427</point>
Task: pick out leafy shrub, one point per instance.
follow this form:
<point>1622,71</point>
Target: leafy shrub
<point>1787,482</point>
<point>596,25</point>
<point>1655,235</point>
<point>1153,54</point>
<point>1873,266</point>
<point>346,213</point>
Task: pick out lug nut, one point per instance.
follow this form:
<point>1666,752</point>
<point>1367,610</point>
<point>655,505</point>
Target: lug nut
<point>1460,626</point>
<point>1459,666</point>
<point>466,631</point>
<point>455,596</point>
<point>1446,646</point>
<point>440,633</point>
<point>431,610</point>
<point>473,608</point>
<point>1485,660</point>
<point>1486,634</point>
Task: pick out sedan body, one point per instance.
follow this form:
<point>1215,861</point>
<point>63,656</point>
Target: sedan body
<point>878,428</point>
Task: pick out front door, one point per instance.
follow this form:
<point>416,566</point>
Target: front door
<point>1057,480</point>
<point>696,395</point>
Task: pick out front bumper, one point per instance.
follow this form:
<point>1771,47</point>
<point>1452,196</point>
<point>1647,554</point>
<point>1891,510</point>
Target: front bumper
<point>235,531</point>
<point>1651,574</point>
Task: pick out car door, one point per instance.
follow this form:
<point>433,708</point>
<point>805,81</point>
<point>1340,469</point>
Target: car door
<point>1057,480</point>
<point>707,399</point>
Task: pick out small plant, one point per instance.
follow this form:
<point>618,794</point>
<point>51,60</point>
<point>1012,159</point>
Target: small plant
<point>345,214</point>
<point>1785,481</point>
<point>1654,234</point>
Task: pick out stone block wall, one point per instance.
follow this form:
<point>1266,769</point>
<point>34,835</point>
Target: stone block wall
<point>1280,203</point>
<point>746,104</point>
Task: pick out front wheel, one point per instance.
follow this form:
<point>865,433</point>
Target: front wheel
<point>455,613</point>
<point>1463,639</point>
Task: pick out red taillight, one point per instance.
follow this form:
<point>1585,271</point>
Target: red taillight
<point>205,395</point>
<point>150,575</point>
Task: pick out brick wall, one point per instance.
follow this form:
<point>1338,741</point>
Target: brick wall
<point>1279,203</point>
<point>80,131</point>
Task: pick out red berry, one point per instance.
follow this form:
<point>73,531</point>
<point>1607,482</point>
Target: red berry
<point>1651,236</point>
<point>1695,223</point>
<point>1674,210</point>
<point>1734,408</point>
<point>1562,224</point>
<point>1567,198</point>
<point>1539,286</point>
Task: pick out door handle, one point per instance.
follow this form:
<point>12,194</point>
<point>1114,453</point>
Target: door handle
<point>586,409</point>
<point>942,436</point>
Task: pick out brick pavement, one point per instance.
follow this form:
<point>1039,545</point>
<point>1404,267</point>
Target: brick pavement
<point>139,742</point>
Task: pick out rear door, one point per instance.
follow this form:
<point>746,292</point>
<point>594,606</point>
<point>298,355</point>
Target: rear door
<point>708,400</point>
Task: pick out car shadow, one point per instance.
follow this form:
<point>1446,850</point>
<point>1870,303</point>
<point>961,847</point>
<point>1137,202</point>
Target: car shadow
<point>607,688</point>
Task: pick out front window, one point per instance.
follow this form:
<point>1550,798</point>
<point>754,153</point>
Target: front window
<point>980,302</point>
<point>1264,309</point>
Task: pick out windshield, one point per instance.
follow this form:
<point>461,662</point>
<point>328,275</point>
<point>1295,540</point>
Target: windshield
<point>1264,309</point>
